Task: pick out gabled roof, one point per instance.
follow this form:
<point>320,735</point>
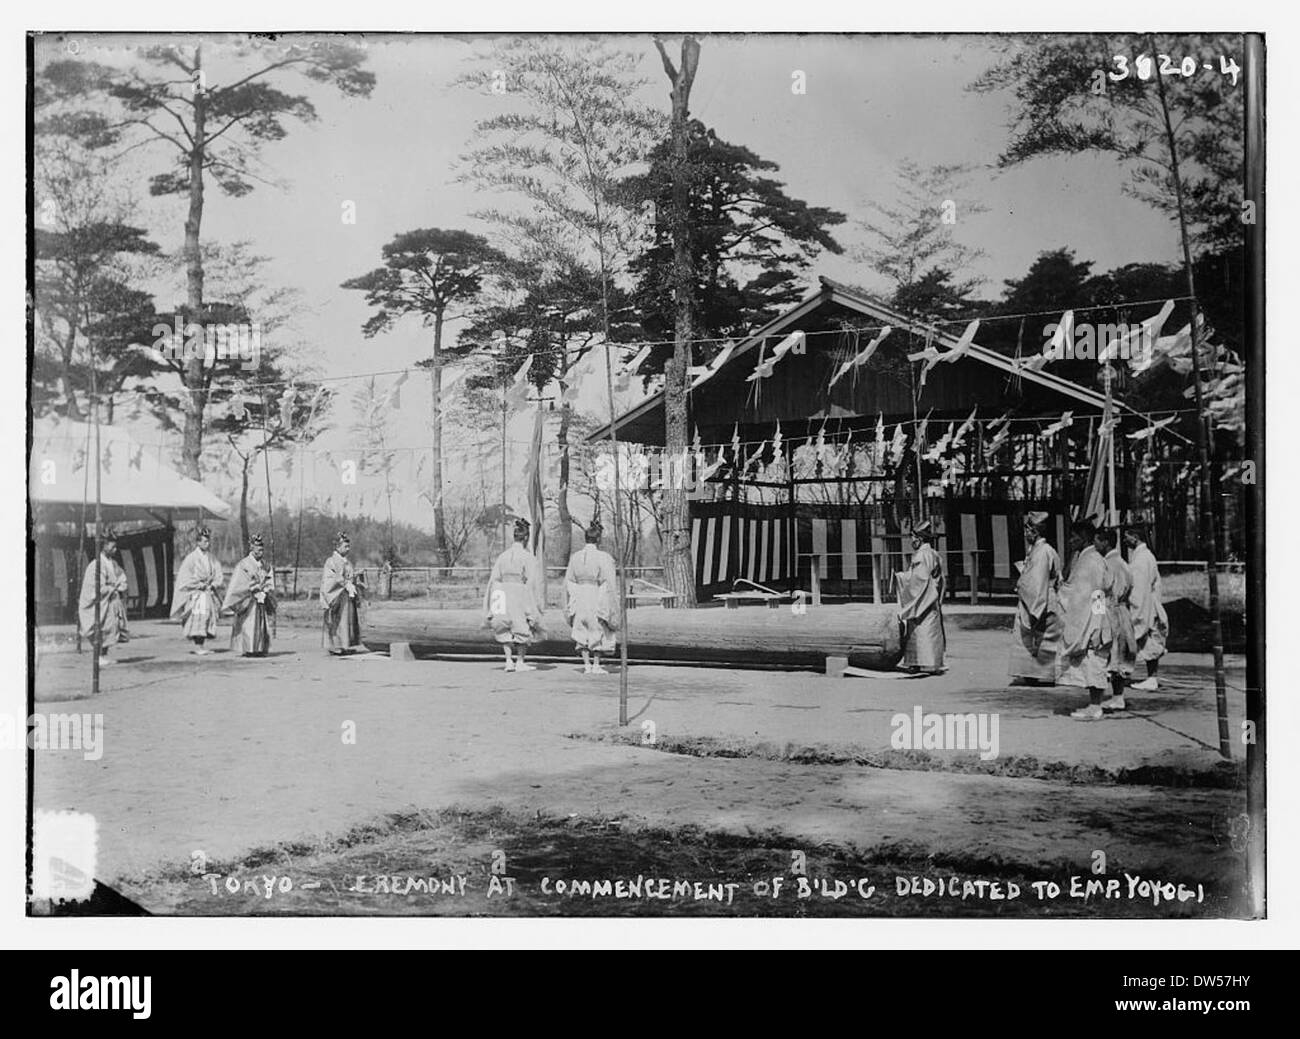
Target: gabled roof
<point>856,300</point>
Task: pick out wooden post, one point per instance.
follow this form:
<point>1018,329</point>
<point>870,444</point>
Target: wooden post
<point>875,568</point>
<point>1206,508</point>
<point>792,522</point>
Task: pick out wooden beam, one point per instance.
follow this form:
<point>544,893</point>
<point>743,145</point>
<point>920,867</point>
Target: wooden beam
<point>867,635</point>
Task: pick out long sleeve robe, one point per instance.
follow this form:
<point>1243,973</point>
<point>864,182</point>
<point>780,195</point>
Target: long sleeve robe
<point>340,600</point>
<point>194,597</point>
<point>1150,622</point>
<point>1036,633</point>
<point>510,601</point>
<point>920,601</point>
<point>1087,632</point>
<point>1123,647</point>
<point>250,597</point>
<point>108,615</point>
<point>590,594</point>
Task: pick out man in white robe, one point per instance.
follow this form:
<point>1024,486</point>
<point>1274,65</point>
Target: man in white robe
<point>1150,622</point>
<point>340,599</point>
<point>194,596</point>
<point>250,598</point>
<point>1036,635</point>
<point>103,617</point>
<point>1123,647</point>
<point>1086,629</point>
<point>590,595</point>
<point>920,604</point>
<point>510,603</point>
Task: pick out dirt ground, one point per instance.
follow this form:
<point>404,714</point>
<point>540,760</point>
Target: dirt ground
<point>222,770</point>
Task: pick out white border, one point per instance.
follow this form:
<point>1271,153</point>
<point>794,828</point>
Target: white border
<point>1279,931</point>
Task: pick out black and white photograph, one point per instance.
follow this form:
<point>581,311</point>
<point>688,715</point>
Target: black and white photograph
<point>688,475</point>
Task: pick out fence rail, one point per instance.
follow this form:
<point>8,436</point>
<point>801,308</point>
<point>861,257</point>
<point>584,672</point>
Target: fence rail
<point>410,581</point>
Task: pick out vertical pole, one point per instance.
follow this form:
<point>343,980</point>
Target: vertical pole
<point>617,511</point>
<point>1253,513</point>
<point>916,440</point>
<point>501,363</point>
<point>1111,518</point>
<point>97,646</point>
<point>1208,537</point>
<point>270,511</point>
<point>81,530</point>
<point>297,548</point>
<point>792,519</point>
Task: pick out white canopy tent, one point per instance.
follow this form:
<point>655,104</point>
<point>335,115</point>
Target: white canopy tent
<point>135,483</point>
<point>136,487</point>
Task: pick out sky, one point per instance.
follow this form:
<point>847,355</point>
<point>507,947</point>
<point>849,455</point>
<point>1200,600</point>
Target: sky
<point>869,103</point>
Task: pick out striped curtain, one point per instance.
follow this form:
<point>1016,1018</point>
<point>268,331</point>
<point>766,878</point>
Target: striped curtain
<point>995,530</point>
<point>146,557</point>
<point>731,540</point>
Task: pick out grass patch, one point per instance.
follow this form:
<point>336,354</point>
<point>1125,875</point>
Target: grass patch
<point>1220,775</point>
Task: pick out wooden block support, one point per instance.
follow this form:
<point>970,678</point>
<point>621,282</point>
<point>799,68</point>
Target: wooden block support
<point>835,666</point>
<point>400,651</point>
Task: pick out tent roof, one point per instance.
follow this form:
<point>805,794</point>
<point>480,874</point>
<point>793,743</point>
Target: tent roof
<point>135,484</point>
<point>650,410</point>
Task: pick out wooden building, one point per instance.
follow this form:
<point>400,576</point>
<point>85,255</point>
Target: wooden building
<point>800,467</point>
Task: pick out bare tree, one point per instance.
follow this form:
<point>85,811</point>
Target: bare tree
<point>679,573</point>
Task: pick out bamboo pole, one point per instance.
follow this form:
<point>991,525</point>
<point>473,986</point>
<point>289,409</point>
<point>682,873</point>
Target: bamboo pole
<point>270,511</point>
<point>98,643</point>
<point>81,529</point>
<point>1206,510</point>
<point>1256,706</point>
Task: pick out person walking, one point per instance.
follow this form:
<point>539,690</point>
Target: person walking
<point>1036,632</point>
<point>194,599</point>
<point>250,597</point>
<point>510,602</point>
<point>340,600</point>
<point>1150,621</point>
<point>591,589</point>
<point>103,617</point>
<point>920,601</point>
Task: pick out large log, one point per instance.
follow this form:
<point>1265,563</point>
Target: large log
<point>867,635</point>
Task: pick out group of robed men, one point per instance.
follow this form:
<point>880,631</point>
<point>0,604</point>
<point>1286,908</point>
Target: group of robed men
<point>1089,628</point>
<point>1092,626</point>
<point>250,599</point>
<point>512,606</point>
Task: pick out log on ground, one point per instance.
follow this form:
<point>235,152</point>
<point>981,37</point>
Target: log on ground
<point>866,634</point>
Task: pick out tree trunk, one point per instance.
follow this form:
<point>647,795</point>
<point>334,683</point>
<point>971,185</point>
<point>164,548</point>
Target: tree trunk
<point>678,569</point>
<point>562,496</point>
<point>192,446</point>
<point>439,517</point>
